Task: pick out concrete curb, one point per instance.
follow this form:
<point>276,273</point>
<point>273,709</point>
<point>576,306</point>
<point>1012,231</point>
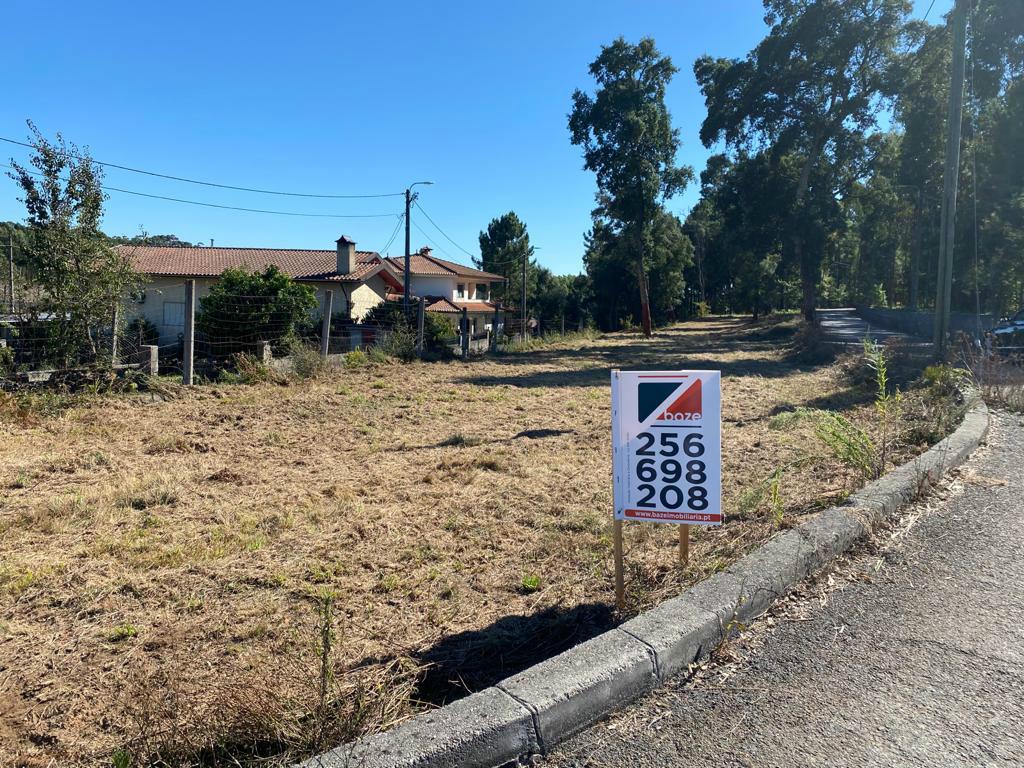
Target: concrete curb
<point>528,713</point>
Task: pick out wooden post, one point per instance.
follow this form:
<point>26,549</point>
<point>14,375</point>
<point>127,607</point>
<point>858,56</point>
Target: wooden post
<point>190,332</point>
<point>464,327</point>
<point>325,330</point>
<point>620,579</point>
<point>421,311</point>
<point>684,545</point>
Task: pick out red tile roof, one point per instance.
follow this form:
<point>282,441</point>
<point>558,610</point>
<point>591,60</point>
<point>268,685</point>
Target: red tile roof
<point>447,305</point>
<point>299,264</point>
<point>423,263</point>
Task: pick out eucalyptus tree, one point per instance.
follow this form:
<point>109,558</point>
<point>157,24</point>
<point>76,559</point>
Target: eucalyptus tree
<point>628,141</point>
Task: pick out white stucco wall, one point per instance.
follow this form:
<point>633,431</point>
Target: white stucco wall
<point>165,300</point>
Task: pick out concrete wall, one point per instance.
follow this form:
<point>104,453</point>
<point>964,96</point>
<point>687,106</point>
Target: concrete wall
<point>923,323</point>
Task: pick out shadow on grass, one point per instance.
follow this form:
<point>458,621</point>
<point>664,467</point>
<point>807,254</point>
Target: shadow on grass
<point>472,661</point>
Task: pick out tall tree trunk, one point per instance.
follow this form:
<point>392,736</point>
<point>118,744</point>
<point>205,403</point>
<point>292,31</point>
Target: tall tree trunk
<point>645,301</point>
<point>641,274</point>
<point>808,278</point>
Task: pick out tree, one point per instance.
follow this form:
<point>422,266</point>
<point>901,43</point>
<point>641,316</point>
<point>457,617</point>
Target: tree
<point>628,141</point>
<point>812,88</point>
<point>244,308</point>
<point>504,245</point>
<point>609,255</point>
<point>82,281</point>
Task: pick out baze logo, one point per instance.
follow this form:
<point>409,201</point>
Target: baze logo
<point>683,401</point>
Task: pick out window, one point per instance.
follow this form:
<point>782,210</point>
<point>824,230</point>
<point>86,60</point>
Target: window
<point>481,291</point>
<point>460,291</point>
<point>174,313</point>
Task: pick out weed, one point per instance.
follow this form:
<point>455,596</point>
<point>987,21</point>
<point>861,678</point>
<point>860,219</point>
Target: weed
<point>306,362</point>
<point>530,583</point>
<point>122,632</point>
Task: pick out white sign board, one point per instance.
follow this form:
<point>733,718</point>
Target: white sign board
<point>667,446</point>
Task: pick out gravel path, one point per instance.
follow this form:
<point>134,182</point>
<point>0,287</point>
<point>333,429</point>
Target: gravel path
<point>910,654</point>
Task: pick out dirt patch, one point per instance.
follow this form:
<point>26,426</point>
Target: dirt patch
<point>458,515</point>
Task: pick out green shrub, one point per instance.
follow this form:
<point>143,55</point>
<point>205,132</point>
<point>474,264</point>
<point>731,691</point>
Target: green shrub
<point>390,317</point>
<point>355,359</point>
<point>6,362</point>
<point>399,343</point>
<point>244,308</point>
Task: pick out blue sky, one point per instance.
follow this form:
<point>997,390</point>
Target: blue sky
<point>346,98</point>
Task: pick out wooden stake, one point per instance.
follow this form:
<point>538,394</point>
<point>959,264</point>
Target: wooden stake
<point>620,580</point>
<point>684,545</point>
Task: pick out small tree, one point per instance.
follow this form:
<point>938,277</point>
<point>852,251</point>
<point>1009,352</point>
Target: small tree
<point>81,279</point>
<point>245,307</point>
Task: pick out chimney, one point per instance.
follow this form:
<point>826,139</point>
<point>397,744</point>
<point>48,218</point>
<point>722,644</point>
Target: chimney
<point>425,250</point>
<point>346,255</point>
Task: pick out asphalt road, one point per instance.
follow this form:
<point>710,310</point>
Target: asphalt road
<point>845,326</point>
<point>910,654</point>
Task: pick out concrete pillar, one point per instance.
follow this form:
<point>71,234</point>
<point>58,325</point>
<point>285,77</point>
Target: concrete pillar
<point>149,359</point>
<point>263,353</point>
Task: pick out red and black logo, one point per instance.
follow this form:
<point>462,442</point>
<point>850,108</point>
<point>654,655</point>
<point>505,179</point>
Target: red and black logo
<point>673,401</point>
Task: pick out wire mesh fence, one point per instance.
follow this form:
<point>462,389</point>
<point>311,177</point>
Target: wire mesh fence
<point>230,333</point>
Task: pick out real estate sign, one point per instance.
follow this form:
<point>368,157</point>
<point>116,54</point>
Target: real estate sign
<point>667,446</point>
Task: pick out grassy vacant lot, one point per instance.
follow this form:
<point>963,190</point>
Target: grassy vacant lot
<point>166,567</point>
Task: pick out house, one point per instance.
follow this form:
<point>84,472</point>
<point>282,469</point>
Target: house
<point>359,280</point>
<point>450,287</point>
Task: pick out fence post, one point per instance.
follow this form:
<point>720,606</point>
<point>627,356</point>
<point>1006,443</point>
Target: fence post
<point>263,352</point>
<point>190,332</point>
<point>495,325</point>
<point>421,310</point>
<point>114,322</point>
<point>325,331</point>
<point>149,359</point>
<point>464,328</point>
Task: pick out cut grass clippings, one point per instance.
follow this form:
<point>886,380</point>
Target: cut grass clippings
<point>162,563</point>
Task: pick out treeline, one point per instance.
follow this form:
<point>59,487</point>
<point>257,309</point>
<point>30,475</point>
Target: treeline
<point>826,187</point>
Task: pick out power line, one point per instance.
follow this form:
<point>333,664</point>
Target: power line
<point>233,207</point>
<point>214,184</point>
<point>432,240</point>
<point>928,11</point>
<point>472,256</point>
<point>394,234</point>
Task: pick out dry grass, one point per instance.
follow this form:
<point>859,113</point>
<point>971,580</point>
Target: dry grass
<point>161,563</point>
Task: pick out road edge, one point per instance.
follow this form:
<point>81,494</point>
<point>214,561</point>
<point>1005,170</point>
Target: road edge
<point>530,712</point>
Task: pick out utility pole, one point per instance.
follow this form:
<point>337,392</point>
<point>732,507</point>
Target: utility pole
<point>405,279</point>
<point>526,258</point>
<point>10,272</point>
<point>410,196</point>
<point>947,232</point>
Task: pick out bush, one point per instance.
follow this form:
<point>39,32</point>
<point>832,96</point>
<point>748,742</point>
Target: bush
<point>399,343</point>
<point>390,317</point>
<point>244,308</point>
<point>6,362</point>
<point>306,361</point>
